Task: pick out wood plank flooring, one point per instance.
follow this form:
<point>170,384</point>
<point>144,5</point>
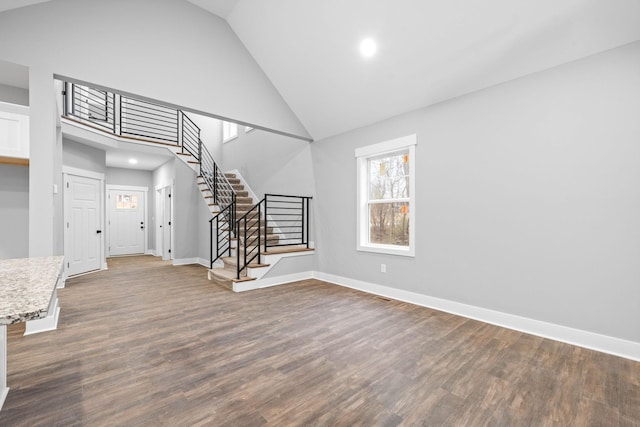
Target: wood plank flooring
<point>149,344</point>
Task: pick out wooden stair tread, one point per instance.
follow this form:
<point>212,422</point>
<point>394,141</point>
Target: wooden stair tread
<point>256,265</point>
<point>224,274</point>
<point>286,250</point>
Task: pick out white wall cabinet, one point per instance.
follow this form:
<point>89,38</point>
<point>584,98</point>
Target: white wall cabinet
<point>14,131</point>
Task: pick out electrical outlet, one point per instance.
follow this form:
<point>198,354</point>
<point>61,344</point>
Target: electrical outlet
<point>383,268</point>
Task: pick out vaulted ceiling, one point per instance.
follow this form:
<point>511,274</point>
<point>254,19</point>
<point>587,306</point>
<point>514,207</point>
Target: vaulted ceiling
<point>428,50</point>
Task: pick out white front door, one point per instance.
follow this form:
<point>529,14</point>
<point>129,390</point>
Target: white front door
<point>126,222</point>
<point>83,230</point>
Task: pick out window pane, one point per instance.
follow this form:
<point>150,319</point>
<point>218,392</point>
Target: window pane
<point>389,223</point>
<point>127,201</point>
<point>389,177</point>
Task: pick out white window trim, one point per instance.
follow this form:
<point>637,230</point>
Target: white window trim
<point>229,138</point>
<point>363,154</point>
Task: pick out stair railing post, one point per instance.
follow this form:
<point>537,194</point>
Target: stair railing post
<point>120,113</point>
<point>238,249</point>
<point>259,240</point>
<point>65,91</point>
<point>215,182</point>
<point>73,99</point>
<point>211,243</point>
<point>113,113</point>
<point>306,215</point>
<point>233,210</point>
<point>266,216</point>
<point>200,154</point>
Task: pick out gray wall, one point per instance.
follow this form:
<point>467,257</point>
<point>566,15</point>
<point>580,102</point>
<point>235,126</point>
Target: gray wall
<point>174,52</point>
<point>210,134</point>
<point>137,178</point>
<point>270,163</point>
<point>187,215</point>
<point>14,211</point>
<point>527,198</point>
<point>14,95</point>
<point>82,156</point>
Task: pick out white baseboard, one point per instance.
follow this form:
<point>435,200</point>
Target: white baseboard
<point>580,338</point>
<point>150,252</point>
<point>48,323</point>
<point>62,280</point>
<point>271,281</point>
<point>187,261</point>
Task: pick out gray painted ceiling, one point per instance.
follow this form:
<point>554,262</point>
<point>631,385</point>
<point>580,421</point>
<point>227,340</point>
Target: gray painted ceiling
<point>428,50</point>
<point>14,75</point>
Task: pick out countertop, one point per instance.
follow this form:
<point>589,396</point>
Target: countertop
<point>26,287</point>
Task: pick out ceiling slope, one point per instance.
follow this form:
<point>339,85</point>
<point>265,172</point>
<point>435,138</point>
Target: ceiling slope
<point>429,51</point>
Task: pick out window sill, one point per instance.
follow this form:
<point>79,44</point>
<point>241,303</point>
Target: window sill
<point>388,250</point>
<point>224,141</point>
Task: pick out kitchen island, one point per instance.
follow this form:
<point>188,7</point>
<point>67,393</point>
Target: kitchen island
<point>27,294</point>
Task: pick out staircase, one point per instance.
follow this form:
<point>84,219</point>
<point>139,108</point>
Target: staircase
<point>247,237</point>
<point>225,271</point>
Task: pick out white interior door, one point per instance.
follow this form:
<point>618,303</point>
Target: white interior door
<point>166,226</point>
<point>163,222</point>
<point>83,225</point>
<point>126,222</point>
<point>159,221</point>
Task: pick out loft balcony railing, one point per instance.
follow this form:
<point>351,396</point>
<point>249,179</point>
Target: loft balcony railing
<point>139,119</point>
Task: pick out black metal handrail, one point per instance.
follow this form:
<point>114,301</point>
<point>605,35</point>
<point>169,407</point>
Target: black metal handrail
<point>249,238</point>
<point>288,217</point>
<point>277,220</point>
<point>153,122</point>
<point>223,223</point>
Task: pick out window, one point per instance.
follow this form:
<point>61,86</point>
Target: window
<point>386,197</point>
<point>229,131</point>
<point>127,201</point>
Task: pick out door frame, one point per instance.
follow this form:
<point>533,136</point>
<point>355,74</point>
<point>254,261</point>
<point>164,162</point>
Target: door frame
<point>160,192</point>
<point>117,187</point>
<point>82,173</point>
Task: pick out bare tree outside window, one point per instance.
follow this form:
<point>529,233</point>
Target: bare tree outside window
<point>389,199</point>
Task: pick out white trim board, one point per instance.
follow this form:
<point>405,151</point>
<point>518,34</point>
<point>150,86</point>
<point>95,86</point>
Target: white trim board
<point>189,261</point>
<point>271,281</point>
<point>82,172</point>
<point>580,338</point>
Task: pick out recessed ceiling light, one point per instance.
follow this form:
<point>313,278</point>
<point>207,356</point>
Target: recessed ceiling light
<point>368,47</point>
<point>133,161</point>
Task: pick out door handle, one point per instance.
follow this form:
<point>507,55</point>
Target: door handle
<point>98,231</point>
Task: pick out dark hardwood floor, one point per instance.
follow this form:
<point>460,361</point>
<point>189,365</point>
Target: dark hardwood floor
<point>149,344</point>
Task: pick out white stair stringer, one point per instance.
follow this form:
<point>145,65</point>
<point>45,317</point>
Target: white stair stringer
<point>256,275</point>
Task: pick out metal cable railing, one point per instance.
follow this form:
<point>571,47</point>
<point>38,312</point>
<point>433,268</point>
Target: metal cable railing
<point>223,224</point>
<point>150,121</point>
<point>288,217</point>
<point>277,220</point>
<point>248,233</point>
